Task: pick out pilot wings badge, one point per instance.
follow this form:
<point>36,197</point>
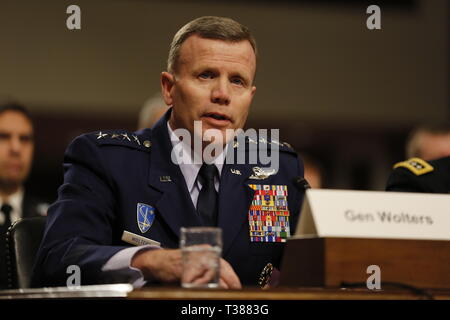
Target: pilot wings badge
<point>262,173</point>
<point>145,216</point>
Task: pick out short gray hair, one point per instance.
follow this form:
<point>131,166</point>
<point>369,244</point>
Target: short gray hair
<point>208,27</point>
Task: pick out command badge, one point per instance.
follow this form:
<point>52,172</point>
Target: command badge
<point>261,173</point>
<point>145,216</point>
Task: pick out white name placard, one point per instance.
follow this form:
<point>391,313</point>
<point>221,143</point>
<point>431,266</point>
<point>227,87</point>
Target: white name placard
<point>373,214</point>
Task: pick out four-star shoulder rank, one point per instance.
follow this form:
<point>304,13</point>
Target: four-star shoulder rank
<point>122,138</point>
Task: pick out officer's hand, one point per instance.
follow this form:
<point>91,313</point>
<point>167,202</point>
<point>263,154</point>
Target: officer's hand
<point>161,265</point>
<point>228,278</point>
<point>166,266</point>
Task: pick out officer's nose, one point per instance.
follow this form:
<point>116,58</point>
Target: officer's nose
<point>220,93</point>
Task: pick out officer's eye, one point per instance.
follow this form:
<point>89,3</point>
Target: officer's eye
<point>238,81</point>
<point>4,136</point>
<point>206,75</point>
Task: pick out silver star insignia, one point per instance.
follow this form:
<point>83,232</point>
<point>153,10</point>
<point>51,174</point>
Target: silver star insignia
<point>101,135</point>
<point>263,140</point>
<point>125,136</point>
<point>275,142</point>
<point>114,135</point>
<point>136,139</point>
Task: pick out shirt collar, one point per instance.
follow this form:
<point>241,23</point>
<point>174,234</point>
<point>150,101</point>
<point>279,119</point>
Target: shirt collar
<point>15,201</point>
<point>184,157</point>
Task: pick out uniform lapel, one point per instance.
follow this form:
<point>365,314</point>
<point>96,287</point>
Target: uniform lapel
<point>235,197</point>
<point>173,200</point>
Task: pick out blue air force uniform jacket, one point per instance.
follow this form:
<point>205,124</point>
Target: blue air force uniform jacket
<point>107,174</point>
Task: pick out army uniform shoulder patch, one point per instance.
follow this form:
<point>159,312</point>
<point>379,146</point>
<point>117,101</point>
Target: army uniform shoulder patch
<point>122,138</point>
<point>416,166</point>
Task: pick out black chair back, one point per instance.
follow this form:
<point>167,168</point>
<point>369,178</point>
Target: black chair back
<point>22,243</point>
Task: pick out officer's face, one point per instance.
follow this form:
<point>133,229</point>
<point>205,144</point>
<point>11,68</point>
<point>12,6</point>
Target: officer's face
<point>213,83</point>
<point>16,147</point>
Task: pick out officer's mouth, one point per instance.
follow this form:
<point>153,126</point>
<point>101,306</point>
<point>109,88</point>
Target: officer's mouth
<point>217,119</point>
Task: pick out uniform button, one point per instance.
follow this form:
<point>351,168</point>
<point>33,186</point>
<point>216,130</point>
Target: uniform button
<point>147,144</point>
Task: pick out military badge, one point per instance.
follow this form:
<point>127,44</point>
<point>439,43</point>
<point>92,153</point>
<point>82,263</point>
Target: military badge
<point>235,171</point>
<point>145,216</point>
<point>262,173</point>
<point>265,276</point>
<point>268,216</point>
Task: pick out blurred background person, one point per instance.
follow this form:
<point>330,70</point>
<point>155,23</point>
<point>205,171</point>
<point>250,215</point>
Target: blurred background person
<point>151,111</point>
<point>428,167</point>
<point>313,171</point>
<point>16,156</point>
<point>429,142</point>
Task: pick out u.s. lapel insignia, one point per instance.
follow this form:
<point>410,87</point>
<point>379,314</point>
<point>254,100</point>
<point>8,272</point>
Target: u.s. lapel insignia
<point>262,173</point>
<point>165,179</point>
<point>235,171</point>
<point>145,216</point>
<point>268,215</point>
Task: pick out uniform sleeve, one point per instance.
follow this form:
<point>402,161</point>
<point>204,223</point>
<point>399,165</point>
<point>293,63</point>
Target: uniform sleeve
<point>120,269</point>
<point>79,228</point>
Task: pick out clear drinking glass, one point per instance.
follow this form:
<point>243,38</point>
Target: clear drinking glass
<point>201,249</point>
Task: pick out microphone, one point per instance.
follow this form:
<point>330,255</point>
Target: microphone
<point>301,184</point>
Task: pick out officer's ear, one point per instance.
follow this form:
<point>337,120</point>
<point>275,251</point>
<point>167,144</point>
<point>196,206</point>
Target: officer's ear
<point>167,83</point>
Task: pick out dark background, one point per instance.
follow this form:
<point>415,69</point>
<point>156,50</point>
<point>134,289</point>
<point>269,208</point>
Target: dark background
<point>343,94</point>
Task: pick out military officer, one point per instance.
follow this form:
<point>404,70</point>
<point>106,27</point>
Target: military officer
<point>418,175</point>
<point>118,182</point>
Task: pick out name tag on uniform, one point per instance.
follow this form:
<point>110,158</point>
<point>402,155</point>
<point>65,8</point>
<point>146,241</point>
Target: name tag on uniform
<point>138,240</point>
<point>268,216</point>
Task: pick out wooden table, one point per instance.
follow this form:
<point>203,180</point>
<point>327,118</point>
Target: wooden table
<point>126,292</point>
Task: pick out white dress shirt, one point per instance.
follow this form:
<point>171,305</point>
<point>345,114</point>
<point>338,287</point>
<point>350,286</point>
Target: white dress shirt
<point>183,154</point>
<point>15,201</point>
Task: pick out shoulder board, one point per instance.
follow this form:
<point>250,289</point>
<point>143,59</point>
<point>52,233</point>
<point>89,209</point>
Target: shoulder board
<point>415,165</point>
<point>121,138</point>
<point>287,147</point>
